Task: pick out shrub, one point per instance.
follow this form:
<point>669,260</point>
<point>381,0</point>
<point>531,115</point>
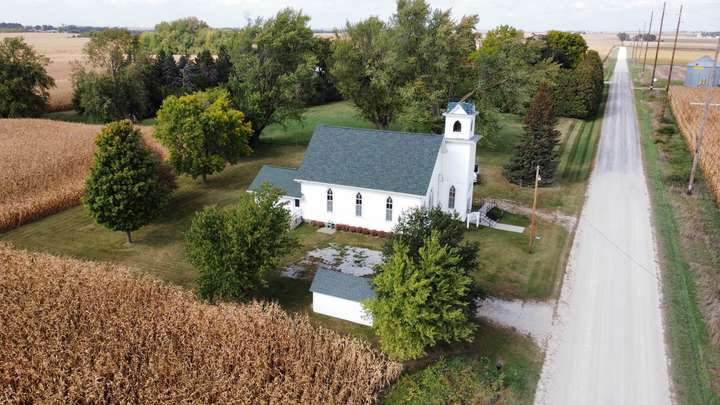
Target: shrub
<point>84,332</point>
<point>235,248</point>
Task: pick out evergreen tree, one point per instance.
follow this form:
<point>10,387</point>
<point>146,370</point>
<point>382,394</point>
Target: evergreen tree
<point>191,77</point>
<point>420,304</point>
<point>202,132</point>
<point>208,71</point>
<point>223,65</point>
<point>182,62</point>
<point>171,75</point>
<point>124,190</point>
<point>538,145</point>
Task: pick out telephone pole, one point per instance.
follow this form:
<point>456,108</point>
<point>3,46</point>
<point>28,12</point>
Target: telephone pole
<point>647,42</point>
<point>533,221</point>
<point>701,133</point>
<point>657,48</point>
<point>672,58</point>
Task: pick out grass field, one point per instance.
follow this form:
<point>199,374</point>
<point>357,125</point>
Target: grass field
<point>688,233</point>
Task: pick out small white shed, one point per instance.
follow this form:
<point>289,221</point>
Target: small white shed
<point>340,295</point>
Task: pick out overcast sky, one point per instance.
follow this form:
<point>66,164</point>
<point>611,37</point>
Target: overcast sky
<point>530,15</point>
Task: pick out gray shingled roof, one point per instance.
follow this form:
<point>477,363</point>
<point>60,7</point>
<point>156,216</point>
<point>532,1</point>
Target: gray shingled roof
<point>469,108</point>
<point>380,160</point>
<point>280,177</point>
<point>337,284</point>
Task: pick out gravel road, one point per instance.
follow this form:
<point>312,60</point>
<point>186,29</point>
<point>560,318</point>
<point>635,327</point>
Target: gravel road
<point>607,344</point>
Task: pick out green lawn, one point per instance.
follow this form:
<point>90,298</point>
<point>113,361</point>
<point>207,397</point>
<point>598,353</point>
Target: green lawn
<point>688,234</point>
<point>506,268</point>
<point>467,373</point>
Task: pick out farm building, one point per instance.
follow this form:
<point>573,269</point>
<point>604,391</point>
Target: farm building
<point>367,178</point>
<point>699,72</point>
<point>341,295</point>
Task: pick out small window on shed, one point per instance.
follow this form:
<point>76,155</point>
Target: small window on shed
<point>457,127</point>
<point>451,198</point>
<point>297,202</point>
<point>329,200</point>
<point>358,205</point>
<point>388,209</point>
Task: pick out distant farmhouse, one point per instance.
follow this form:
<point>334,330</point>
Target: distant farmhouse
<point>368,178</point>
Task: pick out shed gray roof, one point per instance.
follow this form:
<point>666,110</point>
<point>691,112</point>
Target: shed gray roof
<point>392,161</point>
<point>469,108</point>
<point>280,177</point>
<point>337,284</point>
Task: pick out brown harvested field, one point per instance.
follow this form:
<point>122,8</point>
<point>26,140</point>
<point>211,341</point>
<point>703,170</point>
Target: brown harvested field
<point>688,117</point>
<point>85,332</point>
<point>43,165</point>
<point>602,42</point>
<point>62,50</point>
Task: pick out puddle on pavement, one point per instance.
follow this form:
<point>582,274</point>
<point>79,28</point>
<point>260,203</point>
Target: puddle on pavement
<point>345,259</point>
<point>532,318</point>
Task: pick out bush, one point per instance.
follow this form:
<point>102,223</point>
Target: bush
<point>83,332</point>
<point>235,248</point>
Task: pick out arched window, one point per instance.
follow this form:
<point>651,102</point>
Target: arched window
<point>451,198</point>
<point>388,209</point>
<point>457,126</point>
<point>358,205</point>
<point>329,200</point>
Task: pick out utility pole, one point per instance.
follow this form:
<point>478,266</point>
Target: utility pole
<point>657,48</point>
<point>672,58</point>
<point>701,133</point>
<point>647,41</point>
<point>533,221</point>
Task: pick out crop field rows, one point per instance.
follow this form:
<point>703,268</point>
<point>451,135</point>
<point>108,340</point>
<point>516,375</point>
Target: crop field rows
<point>688,113</point>
<point>108,335</point>
<point>43,165</point>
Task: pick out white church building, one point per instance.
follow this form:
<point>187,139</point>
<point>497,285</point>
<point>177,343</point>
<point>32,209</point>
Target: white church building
<point>368,178</point>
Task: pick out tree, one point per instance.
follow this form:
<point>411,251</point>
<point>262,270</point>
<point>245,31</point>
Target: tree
<point>235,248</point>
<point>580,90</point>
<point>510,70</point>
<point>623,36</point>
<point>178,36</point>
<point>321,88</point>
<point>414,225</point>
<point>124,190</point>
<point>208,71</point>
<point>364,71</point>
<point>202,132</point>
<point>433,56</point>
<point>24,82</point>
<point>421,303</point>
<point>111,50</point>
<point>270,72</point>
<point>223,65</point>
<point>538,145</point>
<point>566,48</point>
<point>105,98</point>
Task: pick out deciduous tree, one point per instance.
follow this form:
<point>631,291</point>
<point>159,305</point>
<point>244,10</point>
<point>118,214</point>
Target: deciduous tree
<point>566,48</point>
<point>270,72</point>
<point>202,132</point>
<point>421,303</point>
<point>111,49</point>
<point>124,190</point>
<point>24,82</point>
<point>235,248</point>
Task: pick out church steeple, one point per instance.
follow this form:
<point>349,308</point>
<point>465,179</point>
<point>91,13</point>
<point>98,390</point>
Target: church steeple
<point>460,120</point>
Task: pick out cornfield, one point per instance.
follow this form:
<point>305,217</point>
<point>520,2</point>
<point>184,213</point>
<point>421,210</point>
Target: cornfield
<point>688,113</point>
<point>43,165</point>
<point>84,332</point>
